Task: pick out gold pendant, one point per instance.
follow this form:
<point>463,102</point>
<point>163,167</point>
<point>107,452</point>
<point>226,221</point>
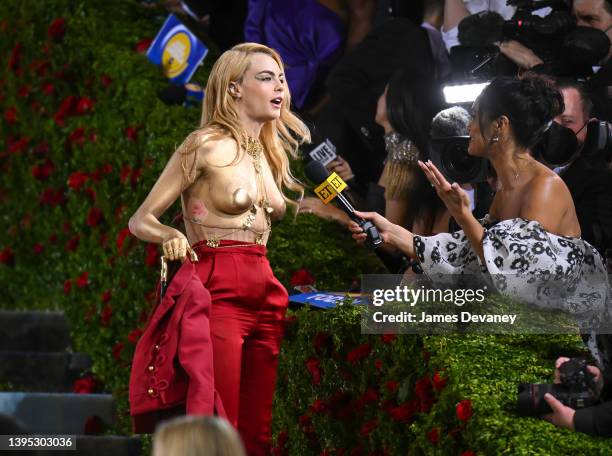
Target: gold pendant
<point>259,239</point>
<point>213,241</point>
<point>250,218</point>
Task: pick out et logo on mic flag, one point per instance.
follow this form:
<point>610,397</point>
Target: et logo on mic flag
<point>177,50</point>
<point>330,187</point>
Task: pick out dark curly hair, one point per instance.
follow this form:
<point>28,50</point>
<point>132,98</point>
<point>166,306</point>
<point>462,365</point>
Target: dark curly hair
<point>530,103</point>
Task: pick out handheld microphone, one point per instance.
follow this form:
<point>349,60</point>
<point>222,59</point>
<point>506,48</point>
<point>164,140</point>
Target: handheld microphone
<point>330,186</point>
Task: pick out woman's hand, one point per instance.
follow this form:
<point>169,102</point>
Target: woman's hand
<point>391,234</point>
<point>454,197</point>
<point>341,167</point>
<point>175,247</point>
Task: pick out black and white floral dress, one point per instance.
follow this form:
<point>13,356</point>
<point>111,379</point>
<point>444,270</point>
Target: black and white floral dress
<point>525,262</point>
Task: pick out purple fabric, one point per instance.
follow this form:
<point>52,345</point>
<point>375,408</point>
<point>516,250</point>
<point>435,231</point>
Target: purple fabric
<point>308,36</point>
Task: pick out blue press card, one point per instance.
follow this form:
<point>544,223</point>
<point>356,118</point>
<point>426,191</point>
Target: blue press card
<point>177,50</point>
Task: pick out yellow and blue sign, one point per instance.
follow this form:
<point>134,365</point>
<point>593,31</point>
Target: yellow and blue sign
<point>177,50</point>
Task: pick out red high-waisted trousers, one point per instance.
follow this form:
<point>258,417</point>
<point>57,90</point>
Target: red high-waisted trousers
<point>246,324</point>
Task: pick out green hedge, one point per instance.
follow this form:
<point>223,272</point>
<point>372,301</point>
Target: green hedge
<point>343,393</point>
<point>83,138</point>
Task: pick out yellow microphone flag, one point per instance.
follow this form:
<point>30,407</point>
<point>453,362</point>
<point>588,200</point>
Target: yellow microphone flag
<point>330,187</point>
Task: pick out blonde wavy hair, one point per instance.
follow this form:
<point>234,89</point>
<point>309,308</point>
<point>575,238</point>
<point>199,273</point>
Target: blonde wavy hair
<point>197,436</point>
<point>280,137</point>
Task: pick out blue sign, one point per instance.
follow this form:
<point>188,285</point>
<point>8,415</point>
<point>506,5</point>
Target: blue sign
<point>326,299</point>
<point>177,51</point>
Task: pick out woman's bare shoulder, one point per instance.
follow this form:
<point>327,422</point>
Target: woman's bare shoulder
<point>211,145</point>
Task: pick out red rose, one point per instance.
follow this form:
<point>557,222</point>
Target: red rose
<point>52,197</point>
<point>52,238</point>
<point>72,243</point>
<point>312,365</point>
<point>438,382</point>
<point>91,193</point>
<point>106,168</point>
<point>136,173</point>
<point>392,386</point>
<point>125,173</point>
<point>24,91</point>
<point>83,280</point>
<point>370,395</point>
<point>422,386</point>
<point>468,453</point>
<point>94,217</point>
<point>57,29</point>
<point>67,286</point>
<point>151,255</point>
<point>106,80</point>
<point>66,109</point>
<point>103,240</point>
<point>42,172</point>
<point>387,338</point>
<point>304,420</point>
<point>7,256</point>
<point>106,296</point>
<point>124,233</point>
<point>42,148</point>
<point>434,435</point>
<point>77,179</point>
<point>106,315</point>
<point>38,248</point>
<point>302,277</point>
<point>134,335</point>
<point>77,136</point>
<point>318,406</point>
<point>358,353</point>
<point>117,350</point>
<point>85,385</point>
<point>142,46</point>
<point>10,115</point>
<point>368,427</point>
<point>464,410</point>
<point>18,145</point>
<point>15,57</point>
<point>131,133</point>
<point>41,67</point>
<point>84,105</point>
<point>66,227</point>
<point>404,412</point>
<point>378,364</point>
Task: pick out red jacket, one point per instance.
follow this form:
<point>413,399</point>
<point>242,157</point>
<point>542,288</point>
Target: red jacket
<point>173,361</point>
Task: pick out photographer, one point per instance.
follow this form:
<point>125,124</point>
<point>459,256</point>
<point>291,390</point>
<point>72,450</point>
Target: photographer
<point>588,179</point>
<point>596,420</point>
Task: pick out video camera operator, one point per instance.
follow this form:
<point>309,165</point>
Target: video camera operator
<point>543,36</point>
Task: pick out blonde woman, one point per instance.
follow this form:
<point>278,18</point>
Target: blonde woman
<point>230,174</point>
<point>196,436</point>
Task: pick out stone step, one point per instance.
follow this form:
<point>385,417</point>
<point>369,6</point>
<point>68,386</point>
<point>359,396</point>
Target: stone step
<point>33,331</point>
<point>58,413</point>
<point>42,371</point>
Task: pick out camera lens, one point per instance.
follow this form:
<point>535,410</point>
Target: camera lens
<point>457,163</point>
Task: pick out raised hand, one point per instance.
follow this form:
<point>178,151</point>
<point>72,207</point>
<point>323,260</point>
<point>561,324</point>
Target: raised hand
<point>454,197</point>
